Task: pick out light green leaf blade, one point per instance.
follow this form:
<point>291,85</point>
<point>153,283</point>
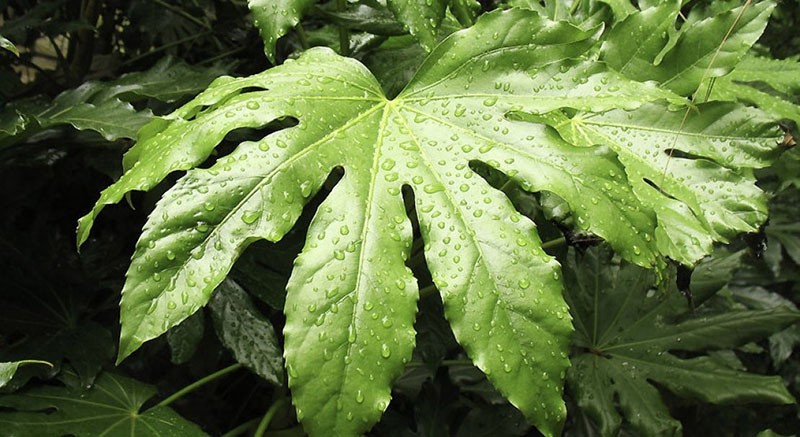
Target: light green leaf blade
<point>421,18</point>
<point>8,369</point>
<point>8,45</point>
<point>627,330</point>
<point>273,18</point>
<point>248,334</point>
<point>702,49</point>
<point>111,407</point>
<point>691,168</point>
<point>351,301</point>
<point>746,84</point>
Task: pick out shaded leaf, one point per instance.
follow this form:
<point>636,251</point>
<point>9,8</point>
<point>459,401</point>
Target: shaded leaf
<point>770,84</point>
<point>184,338</point>
<point>111,407</point>
<point>273,18</point>
<point>248,334</point>
<point>7,370</point>
<point>628,331</point>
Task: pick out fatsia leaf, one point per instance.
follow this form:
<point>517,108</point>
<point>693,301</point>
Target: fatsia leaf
<point>628,331</point>
<point>111,407</point>
<point>640,46</point>
<point>273,18</point>
<point>351,301</point>
<point>247,333</point>
<point>770,84</point>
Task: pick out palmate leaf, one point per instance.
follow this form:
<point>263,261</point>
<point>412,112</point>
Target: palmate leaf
<point>111,407</point>
<point>351,302</point>
<point>627,330</point>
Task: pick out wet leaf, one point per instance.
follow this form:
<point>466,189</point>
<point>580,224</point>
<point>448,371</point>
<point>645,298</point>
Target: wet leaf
<point>646,46</point>
<point>351,301</point>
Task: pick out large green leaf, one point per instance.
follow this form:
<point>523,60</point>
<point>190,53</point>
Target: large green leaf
<point>111,407</point>
<point>627,332</point>
<point>351,301</point>
<point>646,46</point>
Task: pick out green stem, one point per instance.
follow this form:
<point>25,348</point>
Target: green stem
<point>344,36</point>
<point>164,47</point>
<point>197,384</point>
<point>554,243</point>
<point>427,291</point>
<point>274,408</point>
<point>302,36</point>
<point>239,430</point>
<point>182,13</point>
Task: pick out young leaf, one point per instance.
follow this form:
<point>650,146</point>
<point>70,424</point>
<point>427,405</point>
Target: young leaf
<point>7,370</point>
<point>640,46</point>
<point>111,407</point>
<point>351,301</point>
<point>628,331</point>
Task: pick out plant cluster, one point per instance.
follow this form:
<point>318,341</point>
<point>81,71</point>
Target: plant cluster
<point>403,217</point>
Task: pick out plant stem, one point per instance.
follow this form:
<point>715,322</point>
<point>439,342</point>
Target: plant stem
<point>344,36</point>
<point>554,243</point>
<point>240,429</point>
<point>301,35</point>
<point>425,291</point>
<point>164,47</point>
<point>197,384</point>
<point>262,426</point>
<point>182,14</point>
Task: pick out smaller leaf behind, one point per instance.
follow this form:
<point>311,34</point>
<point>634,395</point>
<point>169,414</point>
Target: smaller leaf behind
<point>628,330</point>
<point>247,333</point>
<point>111,407</point>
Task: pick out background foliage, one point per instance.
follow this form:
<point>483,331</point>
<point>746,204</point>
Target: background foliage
<point>79,79</point>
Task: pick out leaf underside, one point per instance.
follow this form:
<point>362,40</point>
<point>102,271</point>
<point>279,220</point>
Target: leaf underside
<point>492,94</point>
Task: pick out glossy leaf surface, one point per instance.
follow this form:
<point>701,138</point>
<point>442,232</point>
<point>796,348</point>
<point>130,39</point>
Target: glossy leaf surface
<point>646,46</point>
<point>351,301</point>
<point>772,85</point>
